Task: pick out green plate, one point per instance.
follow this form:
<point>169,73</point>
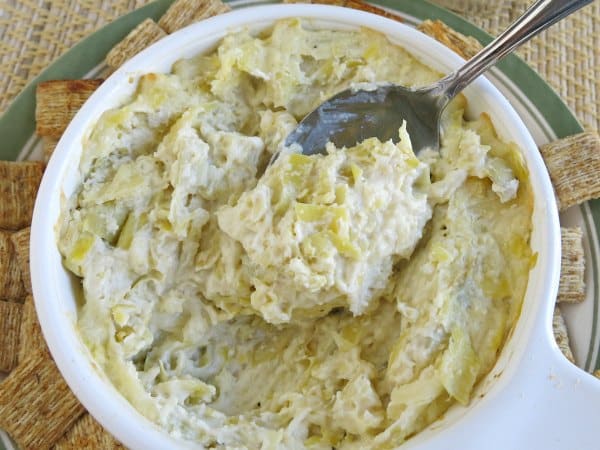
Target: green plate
<point>542,110</point>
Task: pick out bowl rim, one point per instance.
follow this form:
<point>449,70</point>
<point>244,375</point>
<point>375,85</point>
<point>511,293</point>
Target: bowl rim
<point>82,375</point>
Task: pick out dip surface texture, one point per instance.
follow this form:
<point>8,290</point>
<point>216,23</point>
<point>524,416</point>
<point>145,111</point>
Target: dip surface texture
<point>336,301</point>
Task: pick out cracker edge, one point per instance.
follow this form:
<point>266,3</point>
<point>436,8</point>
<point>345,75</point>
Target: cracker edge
<point>57,101</point>
<point>19,183</point>
<point>571,288</point>
<point>561,334</point>
<point>20,242</point>
<point>184,12</point>
<point>10,332</point>
<point>354,4</point>
<point>87,433</point>
<point>142,36</point>
<point>36,405</point>
<point>574,163</point>
<point>11,284</point>
<point>465,46</point>
<point>48,146</point>
<point>31,336</point>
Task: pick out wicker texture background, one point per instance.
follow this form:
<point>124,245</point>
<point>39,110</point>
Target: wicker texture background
<point>567,55</point>
<point>35,32</point>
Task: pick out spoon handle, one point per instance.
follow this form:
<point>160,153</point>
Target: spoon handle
<point>541,15</point>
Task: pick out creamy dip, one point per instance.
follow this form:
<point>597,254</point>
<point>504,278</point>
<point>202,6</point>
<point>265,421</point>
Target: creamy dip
<point>342,301</point>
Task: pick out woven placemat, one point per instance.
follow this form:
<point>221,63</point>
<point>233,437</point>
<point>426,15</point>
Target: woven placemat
<point>567,55</point>
<point>35,32</point>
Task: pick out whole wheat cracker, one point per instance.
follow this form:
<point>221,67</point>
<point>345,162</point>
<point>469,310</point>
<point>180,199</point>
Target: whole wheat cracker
<point>319,2</point>
<point>574,164</point>
<point>57,101</point>
<point>48,146</point>
<point>560,334</point>
<point>354,4</point>
<point>10,326</point>
<point>19,182</point>
<point>86,433</point>
<point>20,242</point>
<point>142,36</point>
<point>31,337</point>
<point>465,46</point>
<point>571,288</point>
<point>36,405</point>
<point>363,6</point>
<point>184,12</point>
<point>11,286</point>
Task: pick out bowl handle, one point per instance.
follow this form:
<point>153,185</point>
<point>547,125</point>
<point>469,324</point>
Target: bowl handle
<point>543,401</point>
<point>557,402</point>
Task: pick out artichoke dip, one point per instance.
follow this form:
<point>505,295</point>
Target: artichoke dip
<point>341,301</point>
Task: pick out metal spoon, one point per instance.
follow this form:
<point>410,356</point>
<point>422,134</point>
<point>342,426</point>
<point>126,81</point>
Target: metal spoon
<point>355,115</point>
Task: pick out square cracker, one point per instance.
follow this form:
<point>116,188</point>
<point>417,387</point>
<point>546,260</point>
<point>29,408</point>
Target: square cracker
<point>574,164</point>
<point>354,4</point>
<point>571,288</point>
<point>57,101</point>
<point>48,146</point>
<point>184,12</point>
<point>560,334</point>
<point>11,286</point>
<point>10,326</point>
<point>465,46</point>
<point>36,405</point>
<point>142,36</point>
<point>20,242</point>
<point>319,2</point>
<point>31,339</point>
<point>19,183</point>
<point>87,434</point>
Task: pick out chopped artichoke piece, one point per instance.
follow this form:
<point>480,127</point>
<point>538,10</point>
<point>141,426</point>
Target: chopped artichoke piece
<point>345,246</point>
<point>313,213</point>
<point>81,248</point>
<point>357,172</point>
<point>126,235</point>
<point>459,366</point>
<point>439,253</point>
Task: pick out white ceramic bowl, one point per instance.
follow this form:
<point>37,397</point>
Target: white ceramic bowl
<point>532,398</point>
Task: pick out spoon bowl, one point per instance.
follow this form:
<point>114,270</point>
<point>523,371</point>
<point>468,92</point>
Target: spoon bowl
<point>354,115</point>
